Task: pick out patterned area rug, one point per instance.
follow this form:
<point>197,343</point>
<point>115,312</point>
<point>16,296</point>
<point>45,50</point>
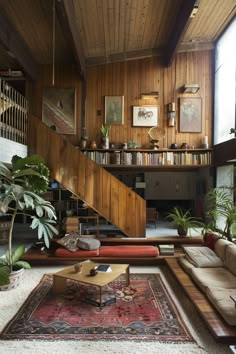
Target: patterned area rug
<point>142,311</point>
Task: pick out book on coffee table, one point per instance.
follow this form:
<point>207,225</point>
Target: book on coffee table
<point>103,268</point>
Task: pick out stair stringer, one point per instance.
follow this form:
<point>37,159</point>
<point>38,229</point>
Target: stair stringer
<point>87,180</point>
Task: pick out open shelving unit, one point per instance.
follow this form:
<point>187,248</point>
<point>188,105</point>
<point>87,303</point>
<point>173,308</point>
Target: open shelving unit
<point>150,157</point>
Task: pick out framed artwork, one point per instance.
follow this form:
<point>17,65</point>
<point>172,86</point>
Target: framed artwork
<point>59,109</point>
<point>145,116</point>
<point>190,115</point>
<point>114,109</point>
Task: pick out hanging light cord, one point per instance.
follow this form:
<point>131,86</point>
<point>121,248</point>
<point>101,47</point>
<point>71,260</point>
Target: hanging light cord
<point>53,42</point>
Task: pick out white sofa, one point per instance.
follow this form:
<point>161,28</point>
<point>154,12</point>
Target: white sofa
<point>214,271</point>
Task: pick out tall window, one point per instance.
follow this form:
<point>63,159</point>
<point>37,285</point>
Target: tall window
<point>225,85</point>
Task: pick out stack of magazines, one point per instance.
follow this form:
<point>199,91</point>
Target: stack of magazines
<point>167,250</point>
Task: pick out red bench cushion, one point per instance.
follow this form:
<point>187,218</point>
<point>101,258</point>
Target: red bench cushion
<point>62,252</point>
<point>128,251</point>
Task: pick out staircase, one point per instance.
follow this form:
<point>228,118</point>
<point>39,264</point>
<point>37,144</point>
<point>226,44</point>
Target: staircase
<point>104,193</point>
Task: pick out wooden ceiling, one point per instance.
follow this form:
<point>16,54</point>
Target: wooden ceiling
<point>90,32</point>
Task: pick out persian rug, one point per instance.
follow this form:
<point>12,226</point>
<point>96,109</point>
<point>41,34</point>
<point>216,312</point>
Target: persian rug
<point>142,311</point>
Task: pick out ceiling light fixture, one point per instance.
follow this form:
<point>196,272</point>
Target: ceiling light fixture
<point>150,95</point>
<point>191,88</point>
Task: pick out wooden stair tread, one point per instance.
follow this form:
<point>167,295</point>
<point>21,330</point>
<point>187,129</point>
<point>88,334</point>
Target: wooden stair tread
<point>178,241</point>
<point>221,331</point>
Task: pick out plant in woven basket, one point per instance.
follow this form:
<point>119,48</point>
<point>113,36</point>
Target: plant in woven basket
<point>20,194</point>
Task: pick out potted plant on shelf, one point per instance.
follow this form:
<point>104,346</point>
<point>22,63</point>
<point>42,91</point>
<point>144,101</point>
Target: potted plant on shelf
<point>132,144</point>
<point>20,193</point>
<point>183,220</point>
<point>105,135</point>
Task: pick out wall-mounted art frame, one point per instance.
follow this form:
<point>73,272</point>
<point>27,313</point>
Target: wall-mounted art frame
<point>59,109</point>
<point>145,116</point>
<point>190,120</point>
<point>114,109</point>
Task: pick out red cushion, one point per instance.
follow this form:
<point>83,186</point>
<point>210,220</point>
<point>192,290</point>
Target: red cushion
<point>210,240</point>
<point>62,252</point>
<point>129,251</point>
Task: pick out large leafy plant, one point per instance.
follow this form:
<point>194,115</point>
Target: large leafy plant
<point>221,213</point>
<point>20,193</point>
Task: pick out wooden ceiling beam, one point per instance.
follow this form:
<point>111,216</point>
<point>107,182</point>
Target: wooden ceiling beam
<point>66,15</point>
<point>16,48</point>
<point>178,30</point>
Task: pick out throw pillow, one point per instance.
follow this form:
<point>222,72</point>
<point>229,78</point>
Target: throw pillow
<point>203,257</point>
<point>209,240</point>
<point>69,241</point>
<point>86,243</point>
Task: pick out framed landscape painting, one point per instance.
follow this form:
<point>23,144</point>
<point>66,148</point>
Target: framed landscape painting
<point>145,116</point>
<point>190,115</point>
<point>114,110</point>
<point>59,109</point>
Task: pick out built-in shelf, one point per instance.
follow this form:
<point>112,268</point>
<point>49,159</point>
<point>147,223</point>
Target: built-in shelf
<point>150,158</point>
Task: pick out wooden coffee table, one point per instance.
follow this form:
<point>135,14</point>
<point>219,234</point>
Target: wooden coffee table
<point>99,280</point>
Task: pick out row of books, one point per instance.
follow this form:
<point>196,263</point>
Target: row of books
<point>149,158</point>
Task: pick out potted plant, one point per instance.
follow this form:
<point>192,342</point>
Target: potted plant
<point>220,213</point>
<point>20,193</point>
<point>183,220</point>
<point>105,135</point>
<point>132,144</point>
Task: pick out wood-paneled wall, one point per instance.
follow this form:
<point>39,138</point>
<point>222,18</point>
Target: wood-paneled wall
<point>130,79</point>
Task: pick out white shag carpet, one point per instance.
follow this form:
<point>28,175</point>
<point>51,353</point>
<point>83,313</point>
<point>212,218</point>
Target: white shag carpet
<point>10,302</point>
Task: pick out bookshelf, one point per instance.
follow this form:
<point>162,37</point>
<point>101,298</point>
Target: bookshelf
<point>150,158</point>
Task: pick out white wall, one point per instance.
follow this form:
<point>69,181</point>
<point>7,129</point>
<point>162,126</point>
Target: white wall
<point>9,148</point>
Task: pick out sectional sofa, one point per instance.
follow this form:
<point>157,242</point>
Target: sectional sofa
<point>213,268</point>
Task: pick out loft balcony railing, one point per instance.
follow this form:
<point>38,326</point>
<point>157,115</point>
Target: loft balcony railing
<point>13,114</point>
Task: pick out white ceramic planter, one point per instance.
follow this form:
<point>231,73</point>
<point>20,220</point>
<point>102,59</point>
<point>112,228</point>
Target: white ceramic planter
<point>15,278</point>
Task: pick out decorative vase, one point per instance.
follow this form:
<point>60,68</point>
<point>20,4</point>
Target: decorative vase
<point>184,146</point>
<point>93,145</point>
<point>83,144</point>
<point>15,277</point>
<point>105,142</point>
<point>78,267</point>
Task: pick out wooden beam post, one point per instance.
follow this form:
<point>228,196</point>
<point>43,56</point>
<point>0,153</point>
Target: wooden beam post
<point>178,30</point>
<point>17,48</point>
<point>66,16</point>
